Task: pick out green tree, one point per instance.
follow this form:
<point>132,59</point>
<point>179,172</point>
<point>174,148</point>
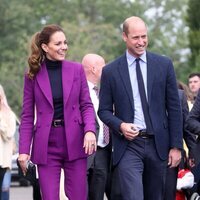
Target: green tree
<point>13,48</point>
<point>90,26</point>
<point>194,34</point>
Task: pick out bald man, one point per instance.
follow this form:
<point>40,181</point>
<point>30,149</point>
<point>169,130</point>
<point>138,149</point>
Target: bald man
<point>98,163</point>
<point>139,101</point>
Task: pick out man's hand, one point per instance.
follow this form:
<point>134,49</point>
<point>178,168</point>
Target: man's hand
<point>129,130</point>
<point>174,157</point>
<point>191,162</point>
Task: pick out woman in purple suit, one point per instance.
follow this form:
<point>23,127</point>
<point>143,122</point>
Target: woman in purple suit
<point>57,99</point>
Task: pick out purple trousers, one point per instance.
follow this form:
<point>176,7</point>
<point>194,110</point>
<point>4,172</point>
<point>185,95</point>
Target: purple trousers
<point>74,171</point>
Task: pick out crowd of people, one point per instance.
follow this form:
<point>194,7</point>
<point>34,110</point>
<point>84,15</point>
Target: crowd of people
<point>127,129</point>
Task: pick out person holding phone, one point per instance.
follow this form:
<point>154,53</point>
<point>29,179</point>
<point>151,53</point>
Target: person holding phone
<point>56,95</point>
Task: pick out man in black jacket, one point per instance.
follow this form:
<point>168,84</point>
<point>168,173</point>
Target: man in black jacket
<point>193,125</point>
<point>193,120</point>
<point>190,140</point>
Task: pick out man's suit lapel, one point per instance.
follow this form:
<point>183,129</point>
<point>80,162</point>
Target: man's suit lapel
<point>67,79</point>
<point>151,70</point>
<point>44,83</point>
<point>124,73</point>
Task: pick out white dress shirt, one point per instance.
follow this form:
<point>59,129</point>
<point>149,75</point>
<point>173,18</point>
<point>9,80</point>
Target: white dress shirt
<point>95,101</point>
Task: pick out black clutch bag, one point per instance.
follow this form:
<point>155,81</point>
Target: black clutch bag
<point>31,172</point>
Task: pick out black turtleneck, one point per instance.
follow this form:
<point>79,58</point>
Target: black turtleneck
<point>54,69</point>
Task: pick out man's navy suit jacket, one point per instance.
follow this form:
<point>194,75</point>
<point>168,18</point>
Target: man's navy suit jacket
<point>117,104</point>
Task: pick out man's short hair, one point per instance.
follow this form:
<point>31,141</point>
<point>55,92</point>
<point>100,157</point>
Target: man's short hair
<point>125,27</point>
<point>194,74</point>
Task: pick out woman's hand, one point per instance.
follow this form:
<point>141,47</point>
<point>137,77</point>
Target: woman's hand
<point>23,159</point>
<point>90,144</point>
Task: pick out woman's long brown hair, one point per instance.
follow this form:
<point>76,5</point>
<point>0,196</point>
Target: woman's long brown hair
<point>37,55</point>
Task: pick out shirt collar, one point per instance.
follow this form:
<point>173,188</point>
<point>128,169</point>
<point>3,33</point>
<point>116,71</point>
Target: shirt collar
<point>131,58</point>
<point>90,85</point>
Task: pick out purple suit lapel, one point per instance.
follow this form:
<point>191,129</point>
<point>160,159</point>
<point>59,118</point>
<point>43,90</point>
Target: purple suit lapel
<point>67,79</point>
<point>44,84</point>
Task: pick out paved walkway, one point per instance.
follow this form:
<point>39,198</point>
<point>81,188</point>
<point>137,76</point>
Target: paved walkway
<point>23,193</point>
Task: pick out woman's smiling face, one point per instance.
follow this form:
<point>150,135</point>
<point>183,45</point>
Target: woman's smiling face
<point>57,47</point>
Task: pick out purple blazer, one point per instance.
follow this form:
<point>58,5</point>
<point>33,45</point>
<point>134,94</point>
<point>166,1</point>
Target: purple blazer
<point>78,111</point>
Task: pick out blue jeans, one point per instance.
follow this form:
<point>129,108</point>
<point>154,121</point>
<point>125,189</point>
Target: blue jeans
<point>6,185</point>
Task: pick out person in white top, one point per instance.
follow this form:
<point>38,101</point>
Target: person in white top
<point>98,163</point>
<point>7,131</point>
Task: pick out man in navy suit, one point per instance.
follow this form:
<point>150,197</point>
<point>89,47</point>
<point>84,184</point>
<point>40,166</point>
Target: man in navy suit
<point>146,122</point>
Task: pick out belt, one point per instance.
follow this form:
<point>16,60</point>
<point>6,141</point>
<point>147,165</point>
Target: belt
<point>57,122</point>
<point>143,134</point>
